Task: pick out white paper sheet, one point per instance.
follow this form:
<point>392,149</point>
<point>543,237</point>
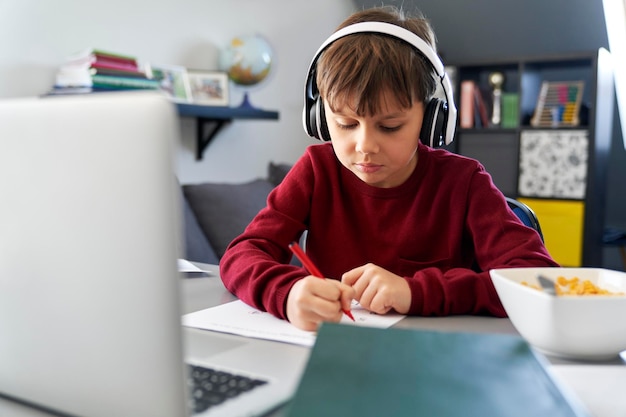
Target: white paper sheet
<point>186,266</point>
<point>239,318</point>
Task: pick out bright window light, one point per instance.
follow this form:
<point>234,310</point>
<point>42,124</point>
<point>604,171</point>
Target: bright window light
<point>615,16</point>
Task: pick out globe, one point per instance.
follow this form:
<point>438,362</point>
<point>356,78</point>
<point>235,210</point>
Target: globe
<point>247,60</point>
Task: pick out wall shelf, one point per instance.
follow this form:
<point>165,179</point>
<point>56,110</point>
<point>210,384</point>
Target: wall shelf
<point>211,119</point>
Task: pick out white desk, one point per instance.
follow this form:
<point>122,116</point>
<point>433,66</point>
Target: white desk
<point>600,386</point>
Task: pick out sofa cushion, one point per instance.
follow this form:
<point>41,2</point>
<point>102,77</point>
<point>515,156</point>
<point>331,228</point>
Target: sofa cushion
<point>197,247</point>
<point>224,210</point>
<point>276,172</point>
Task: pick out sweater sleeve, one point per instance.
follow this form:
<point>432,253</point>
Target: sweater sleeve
<point>256,265</point>
<point>496,238</point>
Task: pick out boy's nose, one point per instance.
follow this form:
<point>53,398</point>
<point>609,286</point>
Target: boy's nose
<point>366,142</point>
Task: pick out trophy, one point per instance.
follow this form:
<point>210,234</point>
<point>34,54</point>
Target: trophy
<point>496,79</point>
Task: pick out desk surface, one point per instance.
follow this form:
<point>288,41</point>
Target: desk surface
<point>600,386</point>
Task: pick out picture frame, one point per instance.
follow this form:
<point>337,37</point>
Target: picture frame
<point>209,88</point>
<point>174,81</point>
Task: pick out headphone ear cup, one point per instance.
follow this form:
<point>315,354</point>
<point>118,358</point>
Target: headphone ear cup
<point>312,127</point>
<point>323,126</point>
<point>317,121</point>
<point>433,131</point>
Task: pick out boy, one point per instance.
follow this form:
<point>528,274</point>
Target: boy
<point>393,223</point>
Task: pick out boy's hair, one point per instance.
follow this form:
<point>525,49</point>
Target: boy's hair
<point>355,70</point>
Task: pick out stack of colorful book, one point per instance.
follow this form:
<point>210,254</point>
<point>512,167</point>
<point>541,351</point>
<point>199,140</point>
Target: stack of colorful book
<point>97,70</point>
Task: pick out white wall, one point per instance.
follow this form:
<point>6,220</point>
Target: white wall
<point>37,35</point>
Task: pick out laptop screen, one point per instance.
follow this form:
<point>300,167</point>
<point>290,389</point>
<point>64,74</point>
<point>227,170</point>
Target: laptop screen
<point>89,305</point>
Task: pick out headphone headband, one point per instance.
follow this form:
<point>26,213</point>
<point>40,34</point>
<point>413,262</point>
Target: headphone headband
<point>310,92</point>
<point>388,29</point>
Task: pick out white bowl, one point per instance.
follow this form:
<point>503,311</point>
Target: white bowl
<point>589,327</point>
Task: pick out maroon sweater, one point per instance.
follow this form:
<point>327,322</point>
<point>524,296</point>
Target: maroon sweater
<point>443,230</point>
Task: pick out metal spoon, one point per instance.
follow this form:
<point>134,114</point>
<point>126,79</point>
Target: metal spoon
<point>547,284</point>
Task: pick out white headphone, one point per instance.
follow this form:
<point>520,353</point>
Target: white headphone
<point>440,115</point>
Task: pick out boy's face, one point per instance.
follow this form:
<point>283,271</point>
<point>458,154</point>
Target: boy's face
<point>379,149</point>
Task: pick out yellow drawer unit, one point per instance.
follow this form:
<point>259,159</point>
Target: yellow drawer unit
<point>562,224</point>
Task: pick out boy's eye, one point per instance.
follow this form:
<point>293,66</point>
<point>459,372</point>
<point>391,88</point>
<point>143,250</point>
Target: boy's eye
<point>346,126</point>
<point>349,125</point>
<point>390,128</point>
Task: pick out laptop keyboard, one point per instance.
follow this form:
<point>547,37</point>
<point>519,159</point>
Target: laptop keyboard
<point>209,387</point>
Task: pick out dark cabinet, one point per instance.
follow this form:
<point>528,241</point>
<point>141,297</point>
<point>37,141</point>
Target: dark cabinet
<point>558,165</point>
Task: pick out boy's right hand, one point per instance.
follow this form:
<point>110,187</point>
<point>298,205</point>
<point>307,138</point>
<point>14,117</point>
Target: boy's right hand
<point>312,301</point>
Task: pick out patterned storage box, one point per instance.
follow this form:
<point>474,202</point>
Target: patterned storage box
<point>553,163</point>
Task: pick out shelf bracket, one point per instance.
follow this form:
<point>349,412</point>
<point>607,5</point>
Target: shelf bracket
<point>211,119</point>
<point>206,129</point>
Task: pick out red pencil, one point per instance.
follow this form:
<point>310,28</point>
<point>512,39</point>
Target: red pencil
<point>310,266</point>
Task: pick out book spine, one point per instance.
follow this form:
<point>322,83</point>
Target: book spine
<point>91,54</point>
<point>118,73</point>
<point>112,56</point>
<point>466,112</point>
<point>510,110</point>
<point>481,108</point>
<point>62,90</point>
<point>115,65</point>
<point>124,82</point>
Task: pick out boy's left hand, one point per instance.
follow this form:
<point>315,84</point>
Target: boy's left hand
<point>379,290</point>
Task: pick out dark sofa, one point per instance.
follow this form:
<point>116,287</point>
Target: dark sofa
<point>215,213</point>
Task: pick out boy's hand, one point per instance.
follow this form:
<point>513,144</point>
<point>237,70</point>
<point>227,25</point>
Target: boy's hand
<point>379,290</point>
<point>312,301</point>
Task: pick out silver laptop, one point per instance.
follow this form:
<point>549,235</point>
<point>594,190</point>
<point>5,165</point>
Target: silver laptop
<point>90,321</point>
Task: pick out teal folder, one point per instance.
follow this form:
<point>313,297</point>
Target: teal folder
<point>361,371</point>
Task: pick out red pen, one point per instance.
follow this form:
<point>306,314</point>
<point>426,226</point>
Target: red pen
<point>310,266</point>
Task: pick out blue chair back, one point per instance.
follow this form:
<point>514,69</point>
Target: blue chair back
<point>525,214</point>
